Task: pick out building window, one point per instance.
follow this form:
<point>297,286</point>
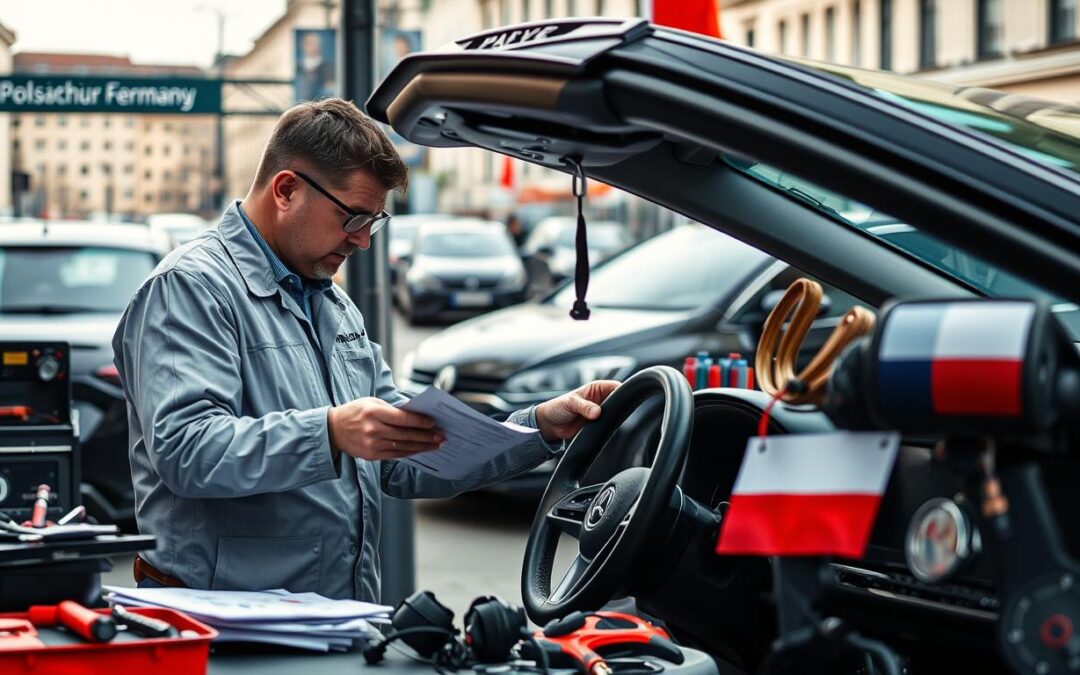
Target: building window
<point>990,28</point>
<point>39,144</point>
<point>107,122</point>
<point>84,169</point>
<point>84,195</point>
<point>61,144</point>
<point>885,60</point>
<point>61,169</point>
<point>165,150</point>
<point>129,169</point>
<point>571,7</point>
<point>106,169</point>
<point>927,33</point>
<point>830,34</point>
<point>15,144</point>
<point>525,10</point>
<point>61,120</point>
<point>804,46</point>
<point>84,121</point>
<point>107,145</point>
<point>1062,20</point>
<point>166,197</point>
<point>750,35</point>
<point>148,197</point>
<point>147,151</point>
<point>504,12</point>
<point>856,33</point>
<point>781,31</point>
<point>549,9</point>
<point>129,121</point>
<point>39,120</point>
<point>148,174</point>
<point>166,175</point>
<point>15,120</point>
<point>129,146</point>
<point>84,146</point>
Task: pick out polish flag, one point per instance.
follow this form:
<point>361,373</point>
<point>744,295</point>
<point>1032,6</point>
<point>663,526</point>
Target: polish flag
<point>696,16</point>
<point>813,494</point>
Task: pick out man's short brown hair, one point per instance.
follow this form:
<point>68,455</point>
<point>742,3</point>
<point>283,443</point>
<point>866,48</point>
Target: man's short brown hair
<point>333,138</point>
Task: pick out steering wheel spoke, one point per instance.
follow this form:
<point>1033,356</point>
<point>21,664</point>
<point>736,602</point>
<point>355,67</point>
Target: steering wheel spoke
<point>572,580</point>
<point>569,514</point>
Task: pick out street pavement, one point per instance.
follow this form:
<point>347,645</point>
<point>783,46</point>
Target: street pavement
<point>465,547</point>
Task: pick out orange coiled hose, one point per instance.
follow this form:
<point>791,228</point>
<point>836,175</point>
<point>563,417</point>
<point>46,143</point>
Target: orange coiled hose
<point>778,348</point>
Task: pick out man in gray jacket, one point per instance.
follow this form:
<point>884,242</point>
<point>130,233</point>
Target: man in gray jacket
<point>261,420</point>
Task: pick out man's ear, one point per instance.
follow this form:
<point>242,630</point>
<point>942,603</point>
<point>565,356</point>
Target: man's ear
<point>283,187</point>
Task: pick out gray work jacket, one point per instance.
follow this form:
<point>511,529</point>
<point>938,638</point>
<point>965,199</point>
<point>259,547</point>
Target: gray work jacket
<point>228,386</point>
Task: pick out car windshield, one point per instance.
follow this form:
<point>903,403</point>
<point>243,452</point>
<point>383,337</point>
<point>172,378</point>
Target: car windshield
<point>76,279</point>
<point>680,269</point>
<point>465,245</point>
<point>605,236</point>
<point>1046,131</point>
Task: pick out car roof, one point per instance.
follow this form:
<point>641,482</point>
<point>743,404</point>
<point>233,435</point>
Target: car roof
<point>461,225</point>
<point>83,233</point>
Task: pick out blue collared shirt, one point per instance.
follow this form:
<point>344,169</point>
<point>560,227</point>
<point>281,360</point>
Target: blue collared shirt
<point>299,289</point>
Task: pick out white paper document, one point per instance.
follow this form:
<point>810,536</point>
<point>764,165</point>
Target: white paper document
<point>472,439</point>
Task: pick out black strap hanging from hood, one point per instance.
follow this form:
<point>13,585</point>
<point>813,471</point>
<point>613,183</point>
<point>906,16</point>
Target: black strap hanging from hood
<point>580,311</point>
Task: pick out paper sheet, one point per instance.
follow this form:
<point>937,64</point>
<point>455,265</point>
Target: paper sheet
<point>472,439</point>
<point>251,606</point>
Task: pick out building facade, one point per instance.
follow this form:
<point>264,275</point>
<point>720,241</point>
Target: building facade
<point>1027,47</point>
<point>127,166</point>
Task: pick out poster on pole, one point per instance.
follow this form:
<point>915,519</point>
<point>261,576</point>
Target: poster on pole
<point>394,45</point>
<point>316,68</point>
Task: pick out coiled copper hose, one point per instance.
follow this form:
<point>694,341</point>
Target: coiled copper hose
<point>776,352</point>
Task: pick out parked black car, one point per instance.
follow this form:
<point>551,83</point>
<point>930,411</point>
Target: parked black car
<point>70,282</point>
<point>703,291</point>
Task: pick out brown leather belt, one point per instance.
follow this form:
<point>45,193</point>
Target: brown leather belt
<point>144,570</point>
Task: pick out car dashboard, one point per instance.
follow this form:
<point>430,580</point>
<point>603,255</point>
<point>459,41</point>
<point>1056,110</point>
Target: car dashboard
<point>716,601</point>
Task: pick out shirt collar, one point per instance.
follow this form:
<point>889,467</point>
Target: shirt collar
<point>287,278</point>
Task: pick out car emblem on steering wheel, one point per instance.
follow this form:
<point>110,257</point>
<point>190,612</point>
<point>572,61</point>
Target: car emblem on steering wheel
<point>599,507</point>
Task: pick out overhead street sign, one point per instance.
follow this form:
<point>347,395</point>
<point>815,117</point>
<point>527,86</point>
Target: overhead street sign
<point>165,95</point>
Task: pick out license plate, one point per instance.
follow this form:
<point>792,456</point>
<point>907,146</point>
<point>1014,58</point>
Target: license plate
<point>471,299</point>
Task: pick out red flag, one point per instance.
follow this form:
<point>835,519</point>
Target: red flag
<point>507,178</point>
<point>808,494</point>
<point>697,16</point>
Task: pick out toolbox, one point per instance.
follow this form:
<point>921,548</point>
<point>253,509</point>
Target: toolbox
<point>66,654</point>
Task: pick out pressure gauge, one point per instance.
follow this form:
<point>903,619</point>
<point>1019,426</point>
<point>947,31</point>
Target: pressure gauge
<point>941,540</point>
<point>48,367</point>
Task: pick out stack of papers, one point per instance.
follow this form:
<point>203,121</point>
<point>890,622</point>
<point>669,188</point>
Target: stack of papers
<point>472,439</point>
<point>302,620</point>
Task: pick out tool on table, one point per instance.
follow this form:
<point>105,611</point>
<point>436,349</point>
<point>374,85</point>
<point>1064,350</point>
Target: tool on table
<point>77,513</point>
<point>583,639</point>
<point>18,634</point>
<point>41,506</point>
<point>87,624</point>
<point>141,625</point>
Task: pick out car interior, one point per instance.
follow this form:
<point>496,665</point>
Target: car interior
<point>684,122</point>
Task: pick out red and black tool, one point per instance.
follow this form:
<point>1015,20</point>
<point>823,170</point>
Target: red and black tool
<point>87,624</point>
<point>583,640</point>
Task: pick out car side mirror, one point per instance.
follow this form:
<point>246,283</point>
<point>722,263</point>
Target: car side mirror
<point>772,299</point>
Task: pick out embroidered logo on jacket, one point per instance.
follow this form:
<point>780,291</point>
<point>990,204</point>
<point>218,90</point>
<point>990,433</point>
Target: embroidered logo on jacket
<point>350,337</point>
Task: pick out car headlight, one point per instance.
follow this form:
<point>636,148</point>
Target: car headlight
<point>423,281</point>
<point>563,377</point>
<point>514,279</point>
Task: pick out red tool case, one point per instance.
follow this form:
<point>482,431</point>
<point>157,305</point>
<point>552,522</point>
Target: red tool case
<point>122,656</point>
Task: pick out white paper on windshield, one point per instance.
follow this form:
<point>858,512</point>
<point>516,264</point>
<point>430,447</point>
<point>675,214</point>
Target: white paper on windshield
<point>472,439</point>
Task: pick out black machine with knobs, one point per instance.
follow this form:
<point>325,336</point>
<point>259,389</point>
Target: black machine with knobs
<point>39,439</point>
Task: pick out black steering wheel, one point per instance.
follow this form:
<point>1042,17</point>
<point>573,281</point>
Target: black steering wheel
<point>612,521</point>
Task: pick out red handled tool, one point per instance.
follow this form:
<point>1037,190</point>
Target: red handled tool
<point>41,506</point>
<point>89,625</point>
<point>583,639</point>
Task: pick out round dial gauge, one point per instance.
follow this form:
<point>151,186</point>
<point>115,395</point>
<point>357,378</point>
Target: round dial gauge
<point>941,539</point>
<point>48,367</point>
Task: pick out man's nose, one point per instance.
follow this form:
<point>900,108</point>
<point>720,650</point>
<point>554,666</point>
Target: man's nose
<point>361,238</point>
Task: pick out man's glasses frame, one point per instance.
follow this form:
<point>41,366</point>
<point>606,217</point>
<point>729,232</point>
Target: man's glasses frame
<point>357,220</point>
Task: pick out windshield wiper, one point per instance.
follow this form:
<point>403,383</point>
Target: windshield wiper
<point>814,201</point>
<point>50,309</point>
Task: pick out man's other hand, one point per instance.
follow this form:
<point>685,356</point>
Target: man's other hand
<point>372,429</point>
<point>562,417</point>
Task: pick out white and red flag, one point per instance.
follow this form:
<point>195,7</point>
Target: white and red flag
<point>812,494</point>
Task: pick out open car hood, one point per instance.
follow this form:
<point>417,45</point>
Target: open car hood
<point>663,114</point>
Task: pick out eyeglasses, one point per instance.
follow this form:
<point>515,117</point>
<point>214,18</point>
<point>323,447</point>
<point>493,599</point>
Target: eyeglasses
<point>357,220</point>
